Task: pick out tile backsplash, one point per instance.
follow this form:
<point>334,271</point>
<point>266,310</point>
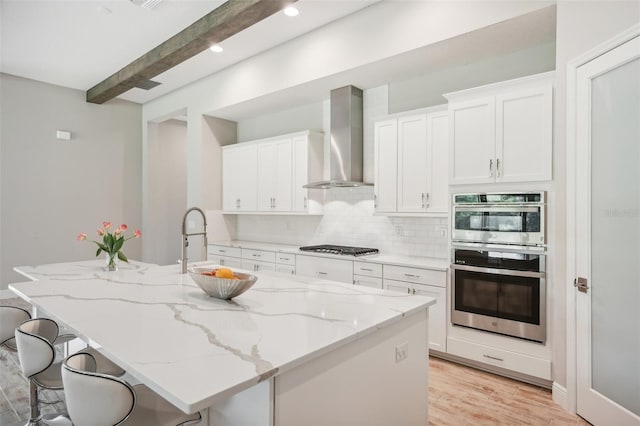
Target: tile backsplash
<point>349,220</point>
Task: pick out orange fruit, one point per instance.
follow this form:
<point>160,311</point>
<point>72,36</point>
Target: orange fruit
<point>224,273</point>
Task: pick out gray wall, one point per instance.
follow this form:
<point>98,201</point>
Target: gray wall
<point>51,190</point>
<point>582,25</point>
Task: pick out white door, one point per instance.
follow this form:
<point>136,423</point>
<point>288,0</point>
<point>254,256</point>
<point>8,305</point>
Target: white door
<point>266,175</point>
<point>438,162</point>
<point>386,165</point>
<point>300,173</point>
<point>608,237</point>
<point>283,191</point>
<point>412,163</point>
<point>472,133</point>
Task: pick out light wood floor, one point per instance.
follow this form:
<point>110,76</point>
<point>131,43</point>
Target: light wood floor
<point>460,395</point>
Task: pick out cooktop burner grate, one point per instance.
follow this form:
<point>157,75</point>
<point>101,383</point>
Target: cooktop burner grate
<point>344,250</point>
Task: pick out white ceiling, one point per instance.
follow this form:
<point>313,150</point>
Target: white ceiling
<point>79,43</point>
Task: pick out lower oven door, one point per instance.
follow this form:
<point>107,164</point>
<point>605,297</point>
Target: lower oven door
<point>502,301</point>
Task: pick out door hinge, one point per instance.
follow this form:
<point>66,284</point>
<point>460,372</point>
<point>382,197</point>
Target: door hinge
<point>581,284</point>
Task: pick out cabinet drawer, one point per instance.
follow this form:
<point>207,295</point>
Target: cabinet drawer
<point>521,363</point>
<point>259,255</point>
<point>373,282</point>
<point>286,258</point>
<point>255,266</point>
<point>224,250</point>
<point>367,269</point>
<point>415,275</point>
<point>229,262</point>
<point>325,268</point>
<point>286,269</point>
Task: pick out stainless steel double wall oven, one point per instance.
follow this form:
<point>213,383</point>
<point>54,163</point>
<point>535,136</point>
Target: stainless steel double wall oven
<point>499,263</point>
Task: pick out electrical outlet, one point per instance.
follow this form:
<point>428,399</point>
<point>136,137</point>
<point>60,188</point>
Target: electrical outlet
<point>402,352</point>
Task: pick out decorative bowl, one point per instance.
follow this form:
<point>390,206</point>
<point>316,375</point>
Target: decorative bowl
<point>222,288</point>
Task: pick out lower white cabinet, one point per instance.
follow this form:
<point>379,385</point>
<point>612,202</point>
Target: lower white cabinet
<point>325,268</point>
<point>372,282</point>
<point>253,265</point>
<point>424,282</point>
<point>286,269</point>
<point>230,257</point>
<point>229,262</point>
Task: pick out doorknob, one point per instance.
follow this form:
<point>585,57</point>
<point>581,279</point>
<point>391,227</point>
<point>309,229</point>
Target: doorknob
<point>581,283</point>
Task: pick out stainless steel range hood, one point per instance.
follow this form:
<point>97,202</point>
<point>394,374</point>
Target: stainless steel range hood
<point>345,160</point>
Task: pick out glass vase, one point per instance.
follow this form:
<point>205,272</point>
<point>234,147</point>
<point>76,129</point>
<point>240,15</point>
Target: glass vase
<point>111,262</point>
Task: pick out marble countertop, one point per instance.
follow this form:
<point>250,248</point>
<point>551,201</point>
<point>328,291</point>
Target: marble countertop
<point>73,270</point>
<point>195,350</point>
<point>409,261</point>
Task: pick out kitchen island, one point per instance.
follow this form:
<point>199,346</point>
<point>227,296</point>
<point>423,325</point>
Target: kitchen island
<point>289,351</point>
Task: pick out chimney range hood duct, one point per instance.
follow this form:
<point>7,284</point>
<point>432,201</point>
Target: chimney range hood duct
<point>345,160</point>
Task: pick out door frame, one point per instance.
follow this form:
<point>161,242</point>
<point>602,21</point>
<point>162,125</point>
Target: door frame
<point>570,403</point>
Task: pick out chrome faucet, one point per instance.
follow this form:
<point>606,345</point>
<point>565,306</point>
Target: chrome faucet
<point>185,237</point>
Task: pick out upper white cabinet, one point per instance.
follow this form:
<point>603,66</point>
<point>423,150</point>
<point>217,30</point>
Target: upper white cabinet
<point>239,176</point>
<point>411,161</point>
<point>275,173</point>
<point>267,175</point>
<point>502,132</point>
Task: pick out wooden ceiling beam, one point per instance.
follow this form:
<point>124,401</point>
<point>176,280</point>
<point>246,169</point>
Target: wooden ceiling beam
<point>226,20</point>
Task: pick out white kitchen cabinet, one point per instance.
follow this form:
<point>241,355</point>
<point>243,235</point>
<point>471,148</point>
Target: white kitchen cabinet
<point>230,257</point>
<point>502,132</point>
<point>411,163</point>
<point>286,269</point>
<point>256,266</point>
<point>275,174</point>
<point>239,176</point>
<point>367,274</point>
<point>423,282</point>
<point>386,166</point>
<point>366,281</point>
<point>286,263</point>
<point>325,268</point>
<point>308,163</point>
<point>267,175</point>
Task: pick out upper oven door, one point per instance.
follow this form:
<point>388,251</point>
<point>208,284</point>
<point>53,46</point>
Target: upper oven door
<point>510,224</point>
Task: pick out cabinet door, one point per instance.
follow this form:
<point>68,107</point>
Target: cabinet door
<point>325,268</point>
<point>412,163</point>
<point>254,266</point>
<point>472,141</point>
<point>239,178</point>
<point>274,175</point>
<point>282,195</point>
<point>524,135</point>
<point>286,269</point>
<point>229,262</point>
<point>398,286</point>
<point>300,173</point>
<point>363,280</point>
<point>437,316</point>
<point>438,174</point>
<point>386,165</point>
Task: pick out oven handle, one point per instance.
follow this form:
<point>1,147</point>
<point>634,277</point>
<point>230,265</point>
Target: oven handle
<point>510,272</point>
<point>499,209</point>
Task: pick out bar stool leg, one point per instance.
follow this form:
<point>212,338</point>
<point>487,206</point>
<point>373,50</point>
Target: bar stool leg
<point>36,417</point>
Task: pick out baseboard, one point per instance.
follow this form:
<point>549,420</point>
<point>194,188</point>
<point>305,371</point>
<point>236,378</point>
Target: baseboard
<point>559,395</point>
<point>7,294</point>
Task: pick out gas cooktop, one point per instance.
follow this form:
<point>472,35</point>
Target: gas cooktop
<point>344,250</point>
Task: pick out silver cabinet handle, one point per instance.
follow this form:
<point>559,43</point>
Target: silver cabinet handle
<point>284,258</point>
<point>408,291</point>
<point>412,276</point>
<point>305,202</point>
<point>221,251</point>
<point>493,358</point>
<point>255,255</point>
<point>491,167</point>
<point>497,167</point>
<point>375,201</point>
<point>256,267</point>
<point>427,196</point>
<point>322,273</point>
<point>221,261</point>
<point>422,197</point>
<point>237,203</point>
<point>274,202</point>
<point>414,291</point>
<point>366,269</point>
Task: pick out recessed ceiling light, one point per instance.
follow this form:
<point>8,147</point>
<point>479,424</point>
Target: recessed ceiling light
<point>291,11</point>
<point>216,48</point>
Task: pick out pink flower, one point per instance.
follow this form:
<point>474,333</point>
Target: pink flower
<point>124,227</point>
<point>100,232</point>
<point>118,231</point>
<point>81,236</point>
<point>106,225</point>
<point>137,233</point>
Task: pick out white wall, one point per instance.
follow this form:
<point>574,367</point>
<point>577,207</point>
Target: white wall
<point>581,25</point>
<point>167,190</point>
<point>51,190</point>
